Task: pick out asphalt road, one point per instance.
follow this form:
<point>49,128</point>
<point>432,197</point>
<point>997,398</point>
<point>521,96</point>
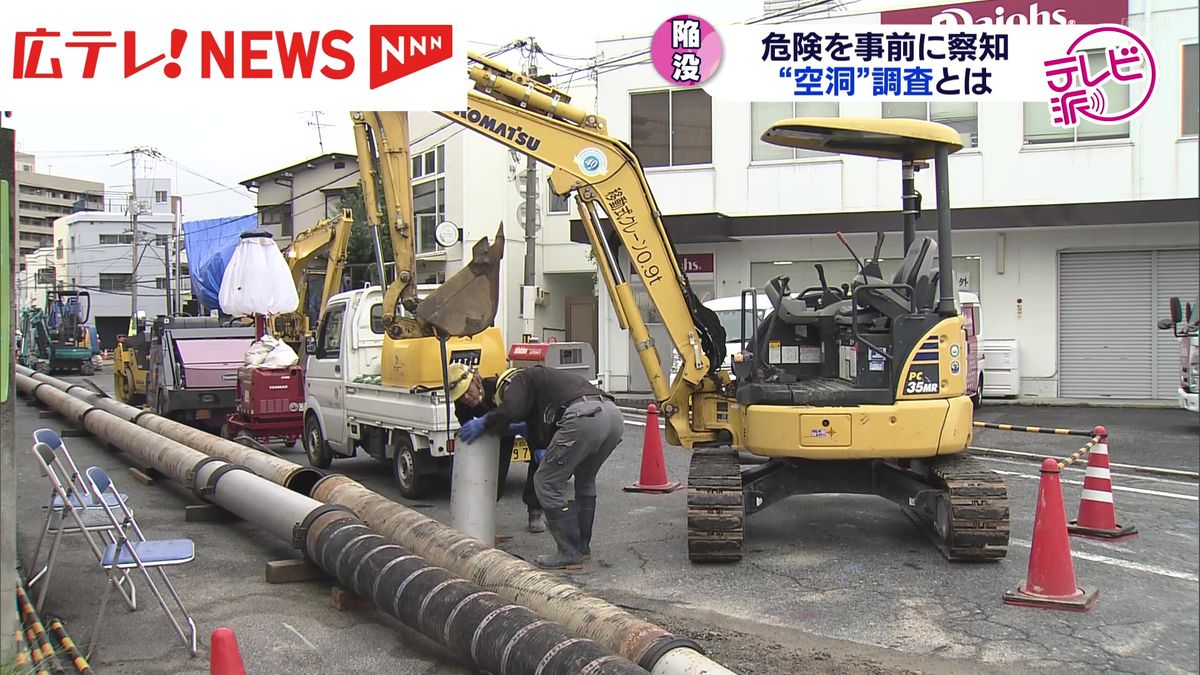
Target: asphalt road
<point>830,583</point>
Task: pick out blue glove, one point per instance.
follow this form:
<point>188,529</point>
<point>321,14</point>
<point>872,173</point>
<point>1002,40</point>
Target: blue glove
<point>471,430</point>
<point>538,455</point>
<point>518,429</point>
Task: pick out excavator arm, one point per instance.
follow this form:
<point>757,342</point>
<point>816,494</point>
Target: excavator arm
<point>466,303</point>
<point>617,208</point>
<point>332,235</point>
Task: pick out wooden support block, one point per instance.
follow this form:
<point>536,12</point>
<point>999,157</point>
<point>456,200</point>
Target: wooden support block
<point>206,513</point>
<point>501,538</point>
<point>141,476</point>
<point>43,414</point>
<point>72,432</point>
<point>344,600</point>
<point>292,570</point>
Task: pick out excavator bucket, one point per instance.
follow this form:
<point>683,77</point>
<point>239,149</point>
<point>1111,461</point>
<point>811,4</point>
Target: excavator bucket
<point>466,303</point>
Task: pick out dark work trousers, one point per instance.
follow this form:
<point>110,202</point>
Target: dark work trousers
<point>528,495</point>
<point>587,434</point>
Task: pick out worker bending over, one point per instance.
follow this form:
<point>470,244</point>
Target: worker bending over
<point>578,425</point>
<point>472,396</point>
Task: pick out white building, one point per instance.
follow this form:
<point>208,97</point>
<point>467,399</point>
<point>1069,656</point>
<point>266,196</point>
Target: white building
<point>94,251</point>
<point>1073,240</point>
<point>35,277</point>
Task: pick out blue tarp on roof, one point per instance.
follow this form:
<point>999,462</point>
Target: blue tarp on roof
<point>210,244</point>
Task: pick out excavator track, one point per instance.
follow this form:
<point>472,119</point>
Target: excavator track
<point>715,515</point>
<point>970,518</point>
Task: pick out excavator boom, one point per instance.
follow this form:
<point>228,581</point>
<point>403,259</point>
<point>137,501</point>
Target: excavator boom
<point>466,303</point>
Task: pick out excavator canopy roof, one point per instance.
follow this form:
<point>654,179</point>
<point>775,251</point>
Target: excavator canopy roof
<point>883,138</point>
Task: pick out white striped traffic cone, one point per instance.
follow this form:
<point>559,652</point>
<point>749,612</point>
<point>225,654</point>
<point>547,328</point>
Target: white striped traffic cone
<point>1097,512</point>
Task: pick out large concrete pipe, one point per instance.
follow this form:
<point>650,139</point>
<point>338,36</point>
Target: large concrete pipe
<point>638,640</point>
<point>517,581</point>
<point>496,635</point>
<point>288,474</point>
<point>452,611</point>
<point>473,487</point>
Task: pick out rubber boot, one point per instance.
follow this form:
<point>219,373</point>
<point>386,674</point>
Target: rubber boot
<point>537,521</point>
<point>564,527</point>
<point>586,507</point>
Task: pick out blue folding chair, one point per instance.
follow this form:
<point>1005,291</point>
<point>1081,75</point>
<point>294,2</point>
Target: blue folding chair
<point>132,551</point>
<point>77,488</point>
<point>66,519</point>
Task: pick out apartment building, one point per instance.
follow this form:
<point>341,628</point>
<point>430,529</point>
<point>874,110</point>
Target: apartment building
<point>42,197</point>
<point>296,197</point>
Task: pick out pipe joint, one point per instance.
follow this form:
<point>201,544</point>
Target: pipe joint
<point>300,531</point>
<point>665,645</point>
<point>189,479</point>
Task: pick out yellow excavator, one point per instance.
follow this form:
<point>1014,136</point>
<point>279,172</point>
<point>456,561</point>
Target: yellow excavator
<point>330,236</point>
<point>455,321</point>
<point>851,388</point>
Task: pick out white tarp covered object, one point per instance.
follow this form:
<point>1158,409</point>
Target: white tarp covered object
<point>257,279</point>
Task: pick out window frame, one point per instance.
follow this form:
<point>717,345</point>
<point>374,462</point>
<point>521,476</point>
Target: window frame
<point>670,141</point>
<point>1183,82</point>
<point>798,154</point>
<point>436,156</point>
<point>334,311</point>
<point>929,117</point>
<point>1074,139</point>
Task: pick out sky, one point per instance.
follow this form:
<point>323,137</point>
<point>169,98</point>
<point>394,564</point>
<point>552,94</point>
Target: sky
<point>211,146</point>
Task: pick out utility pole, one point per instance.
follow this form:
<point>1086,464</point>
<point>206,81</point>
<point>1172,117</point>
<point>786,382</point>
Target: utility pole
<point>133,226</point>
<point>529,296</point>
<point>176,300</point>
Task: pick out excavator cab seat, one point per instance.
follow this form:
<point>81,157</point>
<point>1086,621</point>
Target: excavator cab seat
<point>917,273</point>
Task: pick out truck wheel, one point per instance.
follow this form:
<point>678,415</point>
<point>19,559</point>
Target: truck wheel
<point>86,368</point>
<point>315,447</point>
<point>408,466</point>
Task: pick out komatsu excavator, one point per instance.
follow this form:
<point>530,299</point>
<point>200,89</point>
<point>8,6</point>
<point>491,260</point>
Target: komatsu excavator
<point>858,388</point>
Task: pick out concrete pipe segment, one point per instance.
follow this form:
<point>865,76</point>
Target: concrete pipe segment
<point>513,579</point>
<point>454,612</point>
<point>288,474</point>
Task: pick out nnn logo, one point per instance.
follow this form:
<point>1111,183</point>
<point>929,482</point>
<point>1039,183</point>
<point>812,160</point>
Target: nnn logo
<point>397,51</point>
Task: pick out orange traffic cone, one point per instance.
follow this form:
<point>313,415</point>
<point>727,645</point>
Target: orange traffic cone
<point>654,467</point>
<point>1050,583</point>
<point>1097,512</point>
<point>224,657</point>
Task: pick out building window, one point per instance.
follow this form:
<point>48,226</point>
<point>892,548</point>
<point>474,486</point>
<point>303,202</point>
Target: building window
<point>45,276</point>
<point>160,240</point>
<point>160,196</point>
<point>429,208</point>
<point>671,128</point>
<point>763,115</point>
<point>429,196</point>
<point>1191,100</point>
<point>1038,128</point>
<point>277,215</point>
<point>557,203</point>
<point>116,239</point>
<point>115,282</point>
<point>161,283</point>
<point>962,117</point>
<point>429,163</point>
<point>58,250</point>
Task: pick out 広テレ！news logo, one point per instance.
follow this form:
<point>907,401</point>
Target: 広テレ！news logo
<point>363,65</point>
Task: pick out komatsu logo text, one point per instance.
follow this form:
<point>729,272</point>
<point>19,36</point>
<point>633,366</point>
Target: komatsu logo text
<point>514,135</point>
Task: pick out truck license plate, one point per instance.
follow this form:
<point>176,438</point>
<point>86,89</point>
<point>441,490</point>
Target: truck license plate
<point>520,450</point>
<point>203,414</point>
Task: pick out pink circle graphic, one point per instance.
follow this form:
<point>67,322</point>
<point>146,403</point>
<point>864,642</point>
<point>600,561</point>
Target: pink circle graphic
<point>1129,36</point>
<point>686,50</point>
